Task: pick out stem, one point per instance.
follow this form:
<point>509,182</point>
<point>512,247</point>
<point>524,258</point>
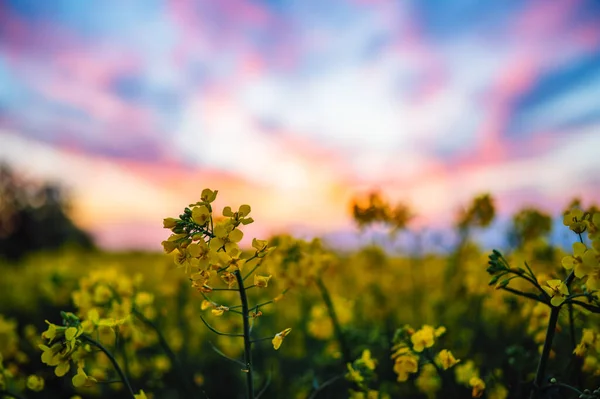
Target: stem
<point>572,326</point>
<point>112,360</point>
<point>123,352</point>
<point>262,339</point>
<point>211,328</point>
<point>168,351</point>
<point>247,338</point>
<point>325,385</point>
<point>334,320</point>
<point>591,308</point>
<point>559,384</point>
<point>524,294</point>
<point>541,371</point>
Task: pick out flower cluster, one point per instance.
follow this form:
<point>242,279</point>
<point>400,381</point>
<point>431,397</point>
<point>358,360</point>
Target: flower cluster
<point>585,260</point>
<point>64,345</point>
<point>204,247</point>
<point>413,350</point>
<point>468,375</point>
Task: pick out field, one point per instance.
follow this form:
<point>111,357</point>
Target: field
<point>288,318</point>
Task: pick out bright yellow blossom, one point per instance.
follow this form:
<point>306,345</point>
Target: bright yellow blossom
<point>367,360</point>
<point>278,339</point>
<point>200,215</point>
<point>226,236</point>
<point>557,290</point>
<point>405,365</point>
<point>574,220</point>
<point>239,216</point>
<point>142,394</point>
<point>169,223</point>
<point>478,387</point>
<point>261,281</point>
<point>575,262</point>
<point>446,359</point>
<point>81,379</point>
<point>588,338</point>
<point>423,338</point>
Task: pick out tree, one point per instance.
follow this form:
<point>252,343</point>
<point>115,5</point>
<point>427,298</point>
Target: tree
<point>34,216</point>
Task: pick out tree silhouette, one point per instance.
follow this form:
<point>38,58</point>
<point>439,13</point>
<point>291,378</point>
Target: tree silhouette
<point>33,217</point>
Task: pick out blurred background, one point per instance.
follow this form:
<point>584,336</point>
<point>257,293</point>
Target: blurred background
<point>122,112</point>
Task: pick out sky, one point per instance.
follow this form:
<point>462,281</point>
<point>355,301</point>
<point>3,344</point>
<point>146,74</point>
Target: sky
<point>294,107</point>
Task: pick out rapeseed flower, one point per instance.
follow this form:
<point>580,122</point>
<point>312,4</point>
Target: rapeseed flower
<point>557,290</point>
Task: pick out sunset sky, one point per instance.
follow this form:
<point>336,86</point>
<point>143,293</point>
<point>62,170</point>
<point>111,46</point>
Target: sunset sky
<point>295,106</point>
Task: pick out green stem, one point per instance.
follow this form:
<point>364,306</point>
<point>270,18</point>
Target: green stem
<point>262,339</point>
<point>247,338</point>
<point>211,328</point>
<point>524,294</point>
<point>572,326</point>
<point>346,356</point>
<point>123,352</point>
<point>324,385</point>
<point>168,351</point>
<point>112,360</point>
<point>541,371</point>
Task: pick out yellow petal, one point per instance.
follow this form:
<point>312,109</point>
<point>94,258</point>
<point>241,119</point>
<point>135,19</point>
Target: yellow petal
<point>236,235</point>
<point>244,210</point>
<point>277,340</point>
<point>62,368</point>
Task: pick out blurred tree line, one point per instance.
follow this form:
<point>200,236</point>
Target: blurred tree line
<point>34,216</point>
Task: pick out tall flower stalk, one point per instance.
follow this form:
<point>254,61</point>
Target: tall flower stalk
<point>208,251</point>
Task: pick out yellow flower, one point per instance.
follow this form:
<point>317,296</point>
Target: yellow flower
<point>278,339</point>
<point>261,281</point>
<point>200,278</point>
<point>188,257</point>
<point>50,333</point>
<point>219,310</point>
<point>405,365</point>
<point>446,359</point>
<point>240,215</point>
<point>35,383</point>
<point>353,375</point>
<point>557,290</point>
<point>229,279</point>
<point>574,220</point>
<point>200,215</point>
<point>478,387</point>
<point>226,236</point>
<point>423,338</point>
<point>588,339</point>
<point>231,261</point>
<point>575,262</point>
<point>465,371</point>
<point>261,247</point>
<point>208,195</point>
<point>367,360</point>
<point>142,394</point>
<point>81,379</point>
<point>172,243</point>
<point>169,223</point>
<point>206,304</point>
